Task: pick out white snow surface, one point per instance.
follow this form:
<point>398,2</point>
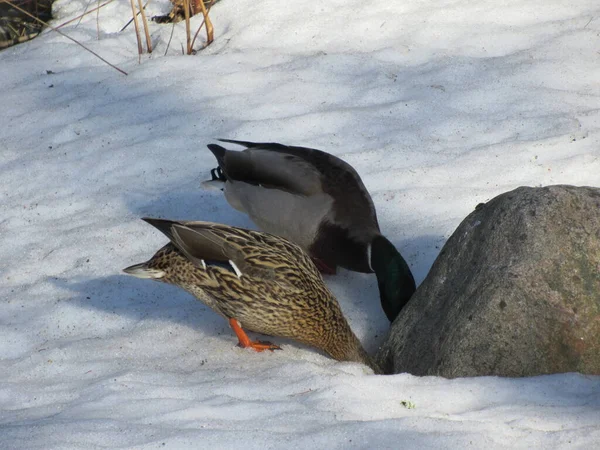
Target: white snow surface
<point>439,105</point>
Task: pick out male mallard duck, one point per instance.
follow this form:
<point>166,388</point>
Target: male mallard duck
<point>319,202</point>
<point>257,281</point>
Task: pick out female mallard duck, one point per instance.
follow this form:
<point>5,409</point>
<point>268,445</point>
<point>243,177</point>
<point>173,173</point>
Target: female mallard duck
<point>257,281</point>
<point>319,202</point>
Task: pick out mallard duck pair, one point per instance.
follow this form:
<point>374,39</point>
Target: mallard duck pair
<point>312,203</point>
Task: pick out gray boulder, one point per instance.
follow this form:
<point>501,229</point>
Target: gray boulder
<point>514,292</point>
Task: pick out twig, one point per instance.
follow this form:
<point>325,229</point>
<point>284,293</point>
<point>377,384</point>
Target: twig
<point>64,35</point>
<point>84,14</point>
<point>198,32</point>
<point>98,20</point>
<point>131,20</point>
<point>84,11</point>
<point>209,39</point>
<point>126,25</point>
<point>170,37</point>
<point>589,21</point>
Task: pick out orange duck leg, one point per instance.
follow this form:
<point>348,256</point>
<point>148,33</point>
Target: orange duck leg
<point>245,341</point>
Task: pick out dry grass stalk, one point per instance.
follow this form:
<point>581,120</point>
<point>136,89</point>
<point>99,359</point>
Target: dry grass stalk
<point>137,30</point>
<point>64,35</point>
<point>170,38</point>
<point>98,20</point>
<point>145,23</point>
<point>84,14</point>
<point>84,11</point>
<point>186,12</point>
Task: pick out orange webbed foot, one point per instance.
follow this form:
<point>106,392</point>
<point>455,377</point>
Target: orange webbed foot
<point>245,342</point>
<point>260,346</point>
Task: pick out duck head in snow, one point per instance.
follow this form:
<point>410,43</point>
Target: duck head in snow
<point>319,202</point>
<point>394,278</point>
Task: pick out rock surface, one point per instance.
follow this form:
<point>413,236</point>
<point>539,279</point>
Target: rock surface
<point>514,292</point>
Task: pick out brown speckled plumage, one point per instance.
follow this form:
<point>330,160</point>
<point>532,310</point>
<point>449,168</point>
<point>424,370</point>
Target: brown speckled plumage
<point>280,291</point>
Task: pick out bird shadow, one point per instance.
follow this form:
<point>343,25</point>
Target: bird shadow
<point>143,300</point>
<point>187,201</point>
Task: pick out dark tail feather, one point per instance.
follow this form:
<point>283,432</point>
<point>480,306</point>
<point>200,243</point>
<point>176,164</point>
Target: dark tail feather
<point>219,153</point>
<point>163,225</point>
<point>195,244</point>
<point>218,173</point>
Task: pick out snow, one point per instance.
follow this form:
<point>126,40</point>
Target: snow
<point>439,105</point>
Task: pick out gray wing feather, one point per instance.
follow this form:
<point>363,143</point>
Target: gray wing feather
<point>272,169</point>
<point>199,244</point>
<point>292,216</point>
